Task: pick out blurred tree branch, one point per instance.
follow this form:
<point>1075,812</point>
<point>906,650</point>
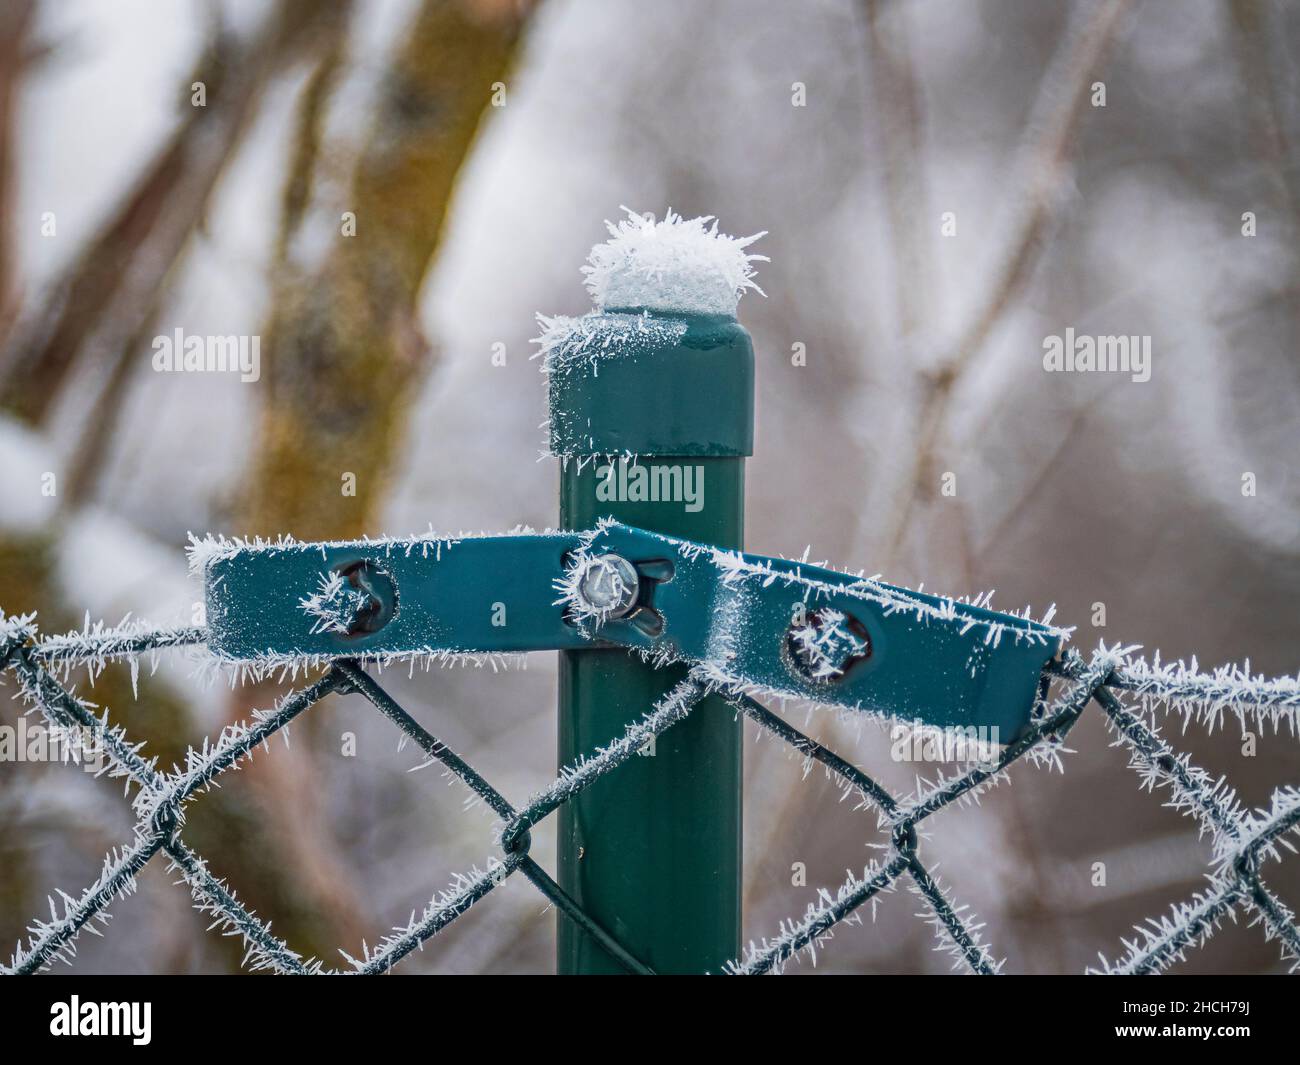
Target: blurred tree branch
<point>1249,19</point>
<point>101,311</point>
<point>107,300</point>
<point>130,327</point>
<point>1053,127</point>
<point>15,28</point>
<point>307,135</point>
<point>896,99</point>
<point>1043,477</point>
<point>898,105</point>
<point>99,302</point>
<point>345,355</point>
<point>345,352</point>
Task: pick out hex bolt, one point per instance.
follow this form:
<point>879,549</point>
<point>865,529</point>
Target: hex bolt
<point>609,586</point>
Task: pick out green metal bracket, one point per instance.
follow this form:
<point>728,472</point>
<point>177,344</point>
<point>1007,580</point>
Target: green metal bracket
<point>747,621</point>
<point>797,630</point>
<point>378,598</point>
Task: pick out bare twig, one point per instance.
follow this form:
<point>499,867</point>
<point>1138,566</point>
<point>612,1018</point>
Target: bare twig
<point>1057,116</point>
<point>1266,123</point>
<point>1268,129</point>
<point>94,307</point>
<point>308,131</point>
<point>138,317</point>
<point>15,28</point>
<point>897,103</point>
<point>1042,478</point>
<point>348,351</point>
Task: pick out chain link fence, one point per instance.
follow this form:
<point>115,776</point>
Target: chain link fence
<point>1129,693</point>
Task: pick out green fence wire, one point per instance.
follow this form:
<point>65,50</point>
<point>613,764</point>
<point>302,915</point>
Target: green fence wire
<point>1243,839</point>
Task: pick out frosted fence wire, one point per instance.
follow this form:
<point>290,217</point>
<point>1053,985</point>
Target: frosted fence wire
<point>1244,840</point>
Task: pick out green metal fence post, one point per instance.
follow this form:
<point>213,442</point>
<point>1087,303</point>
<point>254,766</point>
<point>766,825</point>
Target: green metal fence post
<point>653,852</point>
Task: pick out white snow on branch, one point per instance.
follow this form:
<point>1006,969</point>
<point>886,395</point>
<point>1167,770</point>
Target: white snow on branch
<point>26,456</point>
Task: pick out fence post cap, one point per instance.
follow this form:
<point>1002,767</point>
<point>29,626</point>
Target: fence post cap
<point>634,381</point>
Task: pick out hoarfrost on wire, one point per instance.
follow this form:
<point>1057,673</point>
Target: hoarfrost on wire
<point>1230,691</point>
<point>1241,838</point>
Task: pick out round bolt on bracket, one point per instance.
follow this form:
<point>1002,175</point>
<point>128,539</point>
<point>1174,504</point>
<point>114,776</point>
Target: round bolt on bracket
<point>609,587</point>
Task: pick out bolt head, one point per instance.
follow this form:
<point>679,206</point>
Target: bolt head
<point>609,586</point>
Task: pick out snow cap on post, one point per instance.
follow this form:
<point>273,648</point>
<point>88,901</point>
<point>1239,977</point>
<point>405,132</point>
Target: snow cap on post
<point>678,265</point>
<point>660,366</point>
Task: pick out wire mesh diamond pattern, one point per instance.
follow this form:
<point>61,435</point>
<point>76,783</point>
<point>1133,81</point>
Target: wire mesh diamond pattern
<point>1243,840</point>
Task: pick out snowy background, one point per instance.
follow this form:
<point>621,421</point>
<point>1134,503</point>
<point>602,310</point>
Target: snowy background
<point>846,130</point>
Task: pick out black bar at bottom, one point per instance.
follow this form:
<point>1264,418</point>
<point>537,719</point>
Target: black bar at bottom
<point>952,1014</point>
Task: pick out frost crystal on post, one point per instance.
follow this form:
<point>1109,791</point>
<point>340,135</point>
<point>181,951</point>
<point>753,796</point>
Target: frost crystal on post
<point>681,265</point>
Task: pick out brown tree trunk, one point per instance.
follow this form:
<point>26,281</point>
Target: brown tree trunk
<point>342,358</point>
<point>343,355</point>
